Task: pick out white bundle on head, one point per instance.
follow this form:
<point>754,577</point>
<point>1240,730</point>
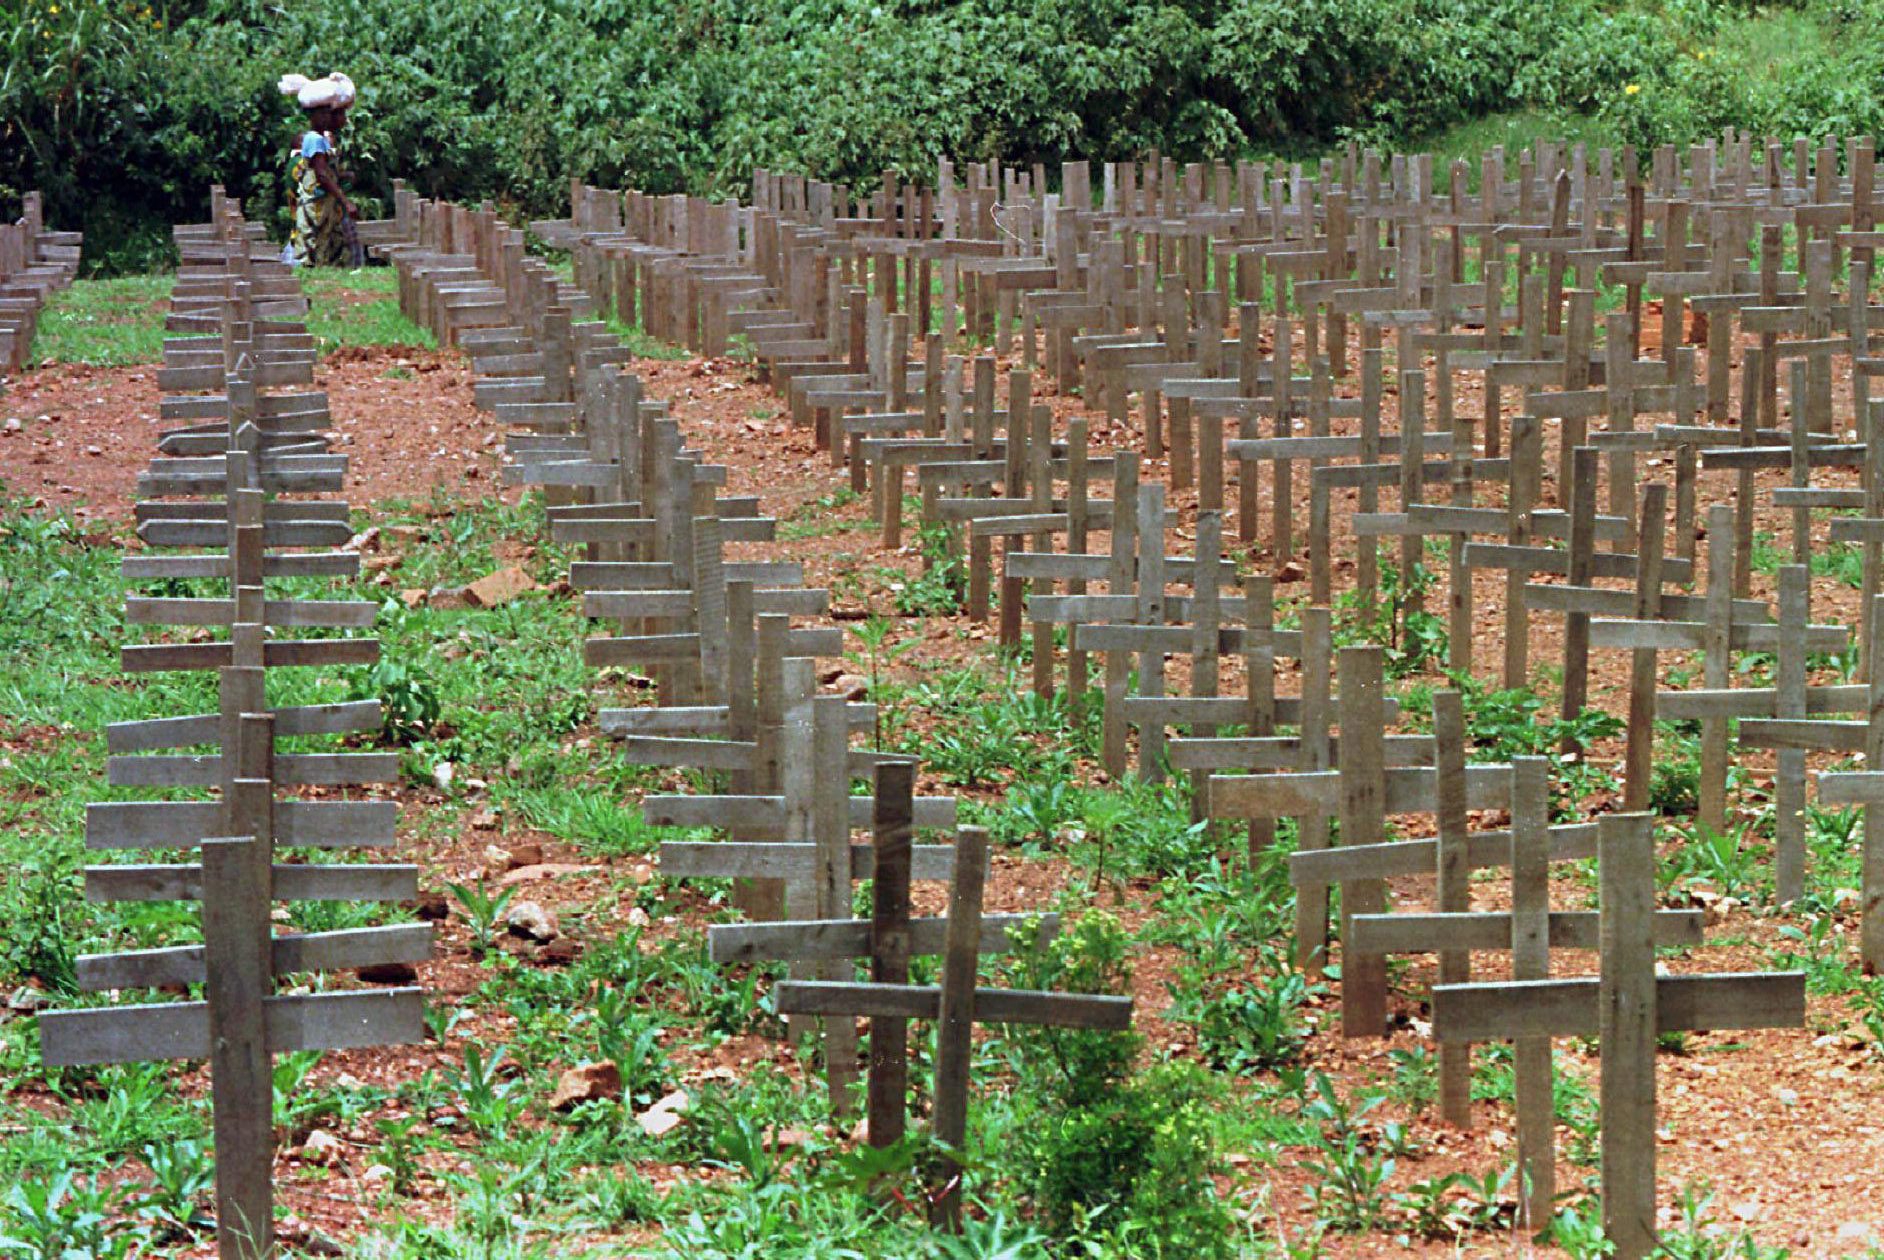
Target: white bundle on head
<point>336,90</point>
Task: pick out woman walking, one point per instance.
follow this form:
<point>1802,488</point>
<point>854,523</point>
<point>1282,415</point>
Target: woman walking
<point>323,233</point>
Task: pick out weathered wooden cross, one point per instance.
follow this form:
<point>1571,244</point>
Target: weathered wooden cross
<point>1628,1006</point>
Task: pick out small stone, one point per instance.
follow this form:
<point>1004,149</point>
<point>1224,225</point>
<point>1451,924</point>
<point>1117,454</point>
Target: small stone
<point>539,871</point>
<point>851,686</point>
<point>446,598</point>
<point>498,588</point>
<point>526,854</point>
<point>530,921</point>
<point>484,820</point>
<point>558,953</point>
<point>14,424</point>
<point>378,1172</point>
<point>1291,571</point>
<point>323,1148</point>
<point>442,775</point>
<point>592,1082</point>
<point>664,1116</point>
<point>94,451</point>
<point>1787,1097</point>
<point>637,917</point>
<point>413,597</point>
<point>365,540</point>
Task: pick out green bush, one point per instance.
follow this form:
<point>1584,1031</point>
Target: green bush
<point>125,111</point>
<point>1134,1168</point>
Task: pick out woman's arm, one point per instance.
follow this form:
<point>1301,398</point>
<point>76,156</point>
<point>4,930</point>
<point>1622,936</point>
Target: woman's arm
<point>324,175</point>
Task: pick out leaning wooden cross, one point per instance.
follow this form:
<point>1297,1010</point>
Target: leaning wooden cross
<point>1628,1006</point>
<point>957,1005</point>
<point>888,939</point>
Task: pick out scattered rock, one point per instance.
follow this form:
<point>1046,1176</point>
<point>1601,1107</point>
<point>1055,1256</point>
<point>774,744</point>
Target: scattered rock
<point>664,1116</point>
<point>446,598</point>
<point>498,588</point>
<point>27,1000</point>
<point>592,1082</point>
<point>526,854</point>
<point>14,424</point>
<point>365,540</point>
<point>530,921</point>
<point>851,686</point>
<point>413,598</point>
<point>323,1148</point>
<point>1291,571</point>
<point>558,953</point>
<point>538,871</point>
<point>484,820</point>
<point>442,775</point>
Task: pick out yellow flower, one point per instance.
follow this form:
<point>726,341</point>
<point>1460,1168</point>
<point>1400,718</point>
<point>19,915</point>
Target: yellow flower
<point>1632,89</point>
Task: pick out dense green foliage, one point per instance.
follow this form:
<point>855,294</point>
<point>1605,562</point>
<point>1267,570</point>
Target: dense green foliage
<point>125,111</point>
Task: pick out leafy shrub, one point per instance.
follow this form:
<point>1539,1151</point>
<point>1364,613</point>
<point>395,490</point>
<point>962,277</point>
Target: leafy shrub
<point>1136,1162</point>
<point>124,112</point>
<point>1091,955</point>
<point>1256,1027</point>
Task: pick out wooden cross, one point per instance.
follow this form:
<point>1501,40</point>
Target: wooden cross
<point>1374,776</point>
<point>833,938</point>
<point>1787,716</point>
<point>1628,1006</point>
<point>239,1025</point>
<point>956,1005</point>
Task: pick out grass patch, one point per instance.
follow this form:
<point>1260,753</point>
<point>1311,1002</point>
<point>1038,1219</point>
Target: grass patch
<point>359,308</point>
<point>105,323</point>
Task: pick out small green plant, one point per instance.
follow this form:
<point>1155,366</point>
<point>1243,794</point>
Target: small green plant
<point>408,698</point>
<point>399,1150</point>
<point>1136,1160</point>
<point>1415,1083</point>
<point>1701,1237</point>
<point>941,588</point>
<point>1817,951</point>
<point>61,1217</point>
<point>1728,862</point>
<point>1256,1026</point>
<point>181,1178</point>
<point>1396,620</point>
<point>1350,1171</point>
<point>874,636</point>
<point>485,1094</point>
<point>1459,1203</point>
<point>483,911</point>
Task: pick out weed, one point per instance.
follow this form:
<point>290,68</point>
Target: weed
<point>1257,1026</point>
<point>1397,620</point>
<point>1415,1083</point>
<point>181,1178</point>
<point>483,911</point>
<point>1350,1172</point>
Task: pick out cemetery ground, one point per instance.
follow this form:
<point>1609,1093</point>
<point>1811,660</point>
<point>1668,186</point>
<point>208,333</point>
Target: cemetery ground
<point>492,1140</point>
